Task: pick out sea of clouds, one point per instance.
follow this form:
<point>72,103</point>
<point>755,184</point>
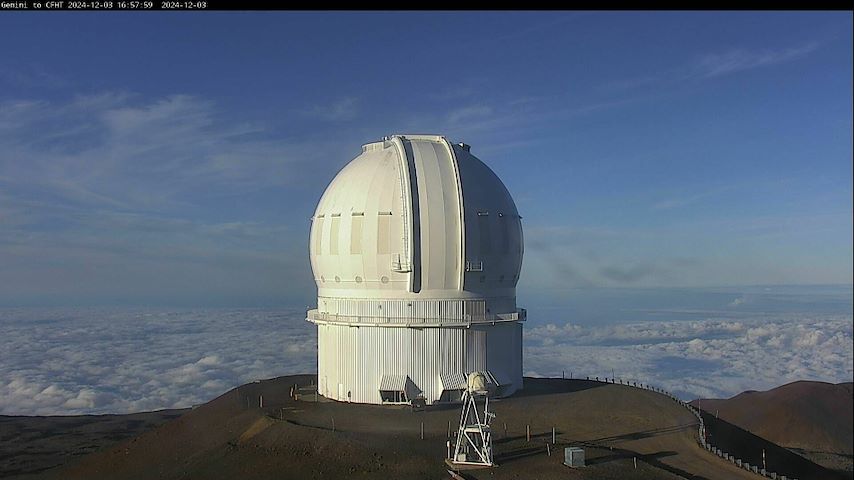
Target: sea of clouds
<point>92,360</point>
<point>97,360</point>
<point>712,358</point>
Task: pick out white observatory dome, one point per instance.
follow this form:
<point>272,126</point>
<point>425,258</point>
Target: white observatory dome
<point>419,244</point>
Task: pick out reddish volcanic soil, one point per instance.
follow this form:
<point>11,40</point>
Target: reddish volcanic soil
<point>231,437</point>
<point>807,415</point>
<point>814,418</point>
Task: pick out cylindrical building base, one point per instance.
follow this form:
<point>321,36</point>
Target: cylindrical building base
<point>369,364</point>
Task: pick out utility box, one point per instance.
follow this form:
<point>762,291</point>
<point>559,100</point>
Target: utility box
<point>573,457</point>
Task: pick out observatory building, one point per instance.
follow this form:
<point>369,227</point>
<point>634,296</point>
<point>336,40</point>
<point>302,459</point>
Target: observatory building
<point>416,248</point>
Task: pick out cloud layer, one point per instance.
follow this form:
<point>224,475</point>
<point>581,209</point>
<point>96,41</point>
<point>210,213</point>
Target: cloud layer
<point>712,358</point>
<point>116,361</point>
<point>91,361</point>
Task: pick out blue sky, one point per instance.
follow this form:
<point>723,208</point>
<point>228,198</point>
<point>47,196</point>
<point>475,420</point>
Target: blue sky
<point>175,158</point>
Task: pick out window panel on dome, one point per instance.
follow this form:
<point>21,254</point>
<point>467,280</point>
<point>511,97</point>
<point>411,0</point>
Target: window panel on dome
<point>356,235</point>
<point>485,234</point>
<point>506,232</point>
<point>383,232</point>
<point>333,236</point>
<point>318,234</point>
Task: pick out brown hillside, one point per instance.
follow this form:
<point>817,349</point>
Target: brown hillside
<point>31,444</point>
<point>230,437</point>
<point>813,416</point>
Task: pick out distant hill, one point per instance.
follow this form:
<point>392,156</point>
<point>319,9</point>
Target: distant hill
<point>805,415</point>
<point>812,417</point>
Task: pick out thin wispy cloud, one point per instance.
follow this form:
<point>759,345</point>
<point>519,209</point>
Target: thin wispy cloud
<point>488,122</point>
<point>520,120</point>
<point>31,75</point>
<point>500,124</point>
<point>672,253</point>
<point>628,274</point>
<point>469,113</point>
<point>115,146</point>
<point>532,31</point>
<point>340,110</point>
<point>105,193</point>
<point>565,257</point>
<point>713,65</point>
<point>60,252</point>
<point>454,93</point>
<point>689,199</point>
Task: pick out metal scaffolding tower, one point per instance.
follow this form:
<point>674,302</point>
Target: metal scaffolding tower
<point>474,437</point>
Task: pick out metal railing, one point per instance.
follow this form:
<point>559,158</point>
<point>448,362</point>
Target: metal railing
<point>519,315</point>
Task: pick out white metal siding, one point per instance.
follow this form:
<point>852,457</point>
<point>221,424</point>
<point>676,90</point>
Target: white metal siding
<point>358,357</point>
